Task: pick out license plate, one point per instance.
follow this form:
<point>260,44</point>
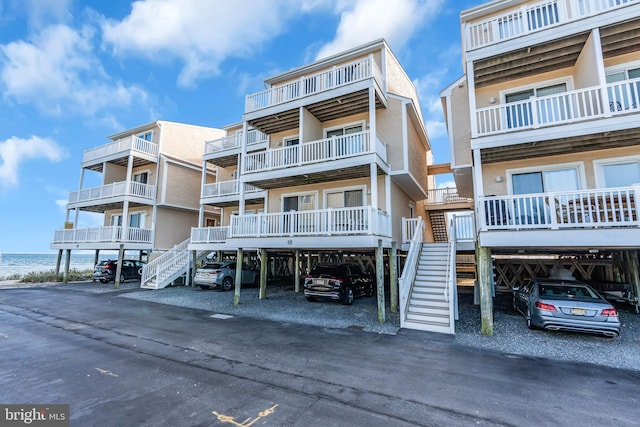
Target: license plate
<point>578,311</point>
<point>319,282</point>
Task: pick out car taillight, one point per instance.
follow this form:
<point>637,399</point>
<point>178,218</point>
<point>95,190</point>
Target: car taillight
<point>546,307</point>
<point>609,312</point>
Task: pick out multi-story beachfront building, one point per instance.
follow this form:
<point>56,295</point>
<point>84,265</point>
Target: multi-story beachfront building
<point>330,162</point>
<point>544,131</point>
<point>149,197</point>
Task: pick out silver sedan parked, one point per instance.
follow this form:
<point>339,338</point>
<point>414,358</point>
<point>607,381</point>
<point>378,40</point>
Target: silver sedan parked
<point>565,305</point>
<point>222,275</point>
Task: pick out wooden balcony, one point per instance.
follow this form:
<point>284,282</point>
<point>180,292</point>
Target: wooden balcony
<point>227,193</point>
<point>108,237</point>
<point>446,198</point>
<point>118,152</point>
<point>324,81</point>
<point>532,18</point>
<point>224,151</point>
<point>566,108</point>
<point>108,196</point>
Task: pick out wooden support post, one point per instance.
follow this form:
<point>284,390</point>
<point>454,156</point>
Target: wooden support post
<point>96,258</point>
<point>263,273</point>
<point>296,286</point>
<point>59,261</point>
<point>393,278</point>
<point>484,282</point>
<point>238,281</point>
<point>633,275</point>
<point>308,263</point>
<point>116,280</point>
<point>67,262</point>
<point>380,281</point>
<point>191,274</point>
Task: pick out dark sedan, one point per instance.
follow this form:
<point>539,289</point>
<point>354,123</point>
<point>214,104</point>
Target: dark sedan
<point>338,282</point>
<point>105,271</point>
<point>567,305</point>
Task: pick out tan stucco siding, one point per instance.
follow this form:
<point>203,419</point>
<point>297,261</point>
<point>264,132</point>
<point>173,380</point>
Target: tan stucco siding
<point>417,156</point>
<point>400,202</point>
<point>186,142</point>
<point>492,170</point>
<point>622,59</point>
<point>182,186</point>
<point>113,173</point>
<point>399,83</point>
<point>586,66</point>
<point>311,127</point>
<point>460,127</point>
<point>175,227</point>
<point>389,130</point>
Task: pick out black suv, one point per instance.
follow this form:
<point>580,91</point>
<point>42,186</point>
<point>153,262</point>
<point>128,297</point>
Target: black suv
<point>105,271</point>
<point>338,282</point>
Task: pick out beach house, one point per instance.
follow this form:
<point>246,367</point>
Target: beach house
<point>544,127</point>
<point>149,193</point>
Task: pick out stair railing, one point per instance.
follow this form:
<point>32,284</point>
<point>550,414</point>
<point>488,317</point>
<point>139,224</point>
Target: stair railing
<point>450,290</point>
<point>408,276</point>
<point>150,271</point>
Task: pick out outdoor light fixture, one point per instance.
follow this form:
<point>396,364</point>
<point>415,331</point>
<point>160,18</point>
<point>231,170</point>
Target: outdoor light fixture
<point>499,179</point>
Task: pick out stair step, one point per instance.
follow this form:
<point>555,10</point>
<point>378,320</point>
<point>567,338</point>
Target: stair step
<point>429,310</point>
<point>436,319</point>
<point>430,302</point>
<point>427,326</point>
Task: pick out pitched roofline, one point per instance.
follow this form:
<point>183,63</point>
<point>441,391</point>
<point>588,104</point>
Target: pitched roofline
<point>330,60</point>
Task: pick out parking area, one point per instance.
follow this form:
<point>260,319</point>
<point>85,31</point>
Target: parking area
<point>511,334</point>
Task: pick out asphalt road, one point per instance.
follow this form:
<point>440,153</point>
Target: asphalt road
<point>124,362</point>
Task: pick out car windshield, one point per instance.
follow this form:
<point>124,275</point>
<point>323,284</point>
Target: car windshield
<point>213,266</point>
<point>565,291</point>
<point>324,270</point>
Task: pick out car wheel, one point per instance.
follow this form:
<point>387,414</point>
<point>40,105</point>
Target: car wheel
<point>348,299</point>
<point>311,299</point>
<point>122,278</point>
<point>104,280</point>
<point>227,283</point>
<point>529,324</point>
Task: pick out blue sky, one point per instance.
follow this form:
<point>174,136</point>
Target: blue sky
<point>73,72</point>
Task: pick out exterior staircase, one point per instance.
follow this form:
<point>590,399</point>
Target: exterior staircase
<point>162,271</point>
<point>439,226</point>
<point>429,306</point>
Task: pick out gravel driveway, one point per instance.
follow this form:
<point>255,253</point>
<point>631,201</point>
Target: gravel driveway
<point>511,334</point>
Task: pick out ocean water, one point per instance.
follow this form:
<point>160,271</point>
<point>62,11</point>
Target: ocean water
<point>23,263</point>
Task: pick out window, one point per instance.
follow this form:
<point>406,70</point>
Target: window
<point>141,177</point>
<point>530,210</point>
<point>116,220</point>
<point>136,220</point>
<point>210,222</point>
<point>621,172</point>
<point>550,110</point>
<point>291,153</point>
<point>345,144</point>
<point>623,94</point>
<point>306,202</point>
<point>345,199</point>
<point>147,136</point>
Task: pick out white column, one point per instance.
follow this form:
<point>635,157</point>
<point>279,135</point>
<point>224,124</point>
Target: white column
<point>245,130</point>
<point>374,185</point>
<point>125,209</point>
<point>471,87</point>
<point>202,184</point>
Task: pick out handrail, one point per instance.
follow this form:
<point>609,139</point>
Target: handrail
<point>406,280</point>
<point>115,189</point>
<point>450,292</point>
<point>151,269</point>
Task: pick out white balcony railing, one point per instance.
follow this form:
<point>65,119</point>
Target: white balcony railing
<point>465,228</point>
<point>563,108</point>
<point>234,141</point>
<point>108,234</point>
<point>209,234</point>
<point>132,143</point>
<point>316,83</point>
<point>116,189</point>
<point>438,196</point>
<point>364,220</point>
<point>227,188</point>
<point>610,207</point>
<point>337,147</point>
<point>531,18</point>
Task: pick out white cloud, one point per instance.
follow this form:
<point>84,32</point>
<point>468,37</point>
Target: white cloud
<point>366,20</point>
<point>200,34</point>
<point>14,151</point>
<point>41,11</point>
<point>58,73</point>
